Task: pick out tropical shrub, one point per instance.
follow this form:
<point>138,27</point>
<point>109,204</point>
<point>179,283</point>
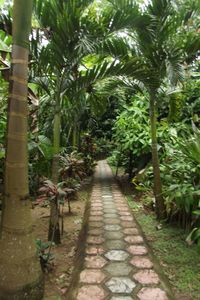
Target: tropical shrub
<point>41,154</point>
<point>180,172</point>
<point>73,166</point>
<point>132,136</point>
<point>103,147</point>
<point>88,149</point>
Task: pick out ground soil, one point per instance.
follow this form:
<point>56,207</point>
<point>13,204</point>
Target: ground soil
<point>58,278</point>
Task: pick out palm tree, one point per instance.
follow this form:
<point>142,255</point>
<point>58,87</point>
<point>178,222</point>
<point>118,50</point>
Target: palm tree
<point>163,56</point>
<point>21,276</point>
<point>154,39</point>
<point>72,35</point>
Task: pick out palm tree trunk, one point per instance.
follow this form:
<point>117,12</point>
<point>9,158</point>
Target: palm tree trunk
<point>21,276</point>
<point>74,137</point>
<point>54,228</point>
<point>79,138</point>
<point>160,206</point>
<point>56,146</point>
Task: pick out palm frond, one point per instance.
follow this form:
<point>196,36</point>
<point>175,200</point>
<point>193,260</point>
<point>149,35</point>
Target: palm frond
<point>44,83</point>
<point>115,46</point>
<point>174,67</point>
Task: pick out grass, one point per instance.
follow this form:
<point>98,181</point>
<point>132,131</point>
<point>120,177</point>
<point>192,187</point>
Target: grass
<point>181,263</point>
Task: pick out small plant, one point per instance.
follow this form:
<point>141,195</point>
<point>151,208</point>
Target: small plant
<point>52,191</point>
<point>55,195</point>
<point>44,254</point>
<point>73,167</point>
<point>59,193</point>
<point>89,164</point>
<point>88,149</point>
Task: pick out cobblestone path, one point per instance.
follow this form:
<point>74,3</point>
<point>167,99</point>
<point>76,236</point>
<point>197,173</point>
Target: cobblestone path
<point>117,264</point>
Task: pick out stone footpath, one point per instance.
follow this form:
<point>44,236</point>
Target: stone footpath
<point>117,265</point>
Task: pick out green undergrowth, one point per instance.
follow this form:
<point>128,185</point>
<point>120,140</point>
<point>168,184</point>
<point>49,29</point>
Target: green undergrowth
<point>181,263</point>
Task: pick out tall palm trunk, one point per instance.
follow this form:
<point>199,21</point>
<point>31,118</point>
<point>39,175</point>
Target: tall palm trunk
<point>20,272</point>
<point>75,137</point>
<point>160,206</point>
<point>54,229</point>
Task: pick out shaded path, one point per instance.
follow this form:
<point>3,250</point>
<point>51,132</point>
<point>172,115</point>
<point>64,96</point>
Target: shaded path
<point>117,263</point>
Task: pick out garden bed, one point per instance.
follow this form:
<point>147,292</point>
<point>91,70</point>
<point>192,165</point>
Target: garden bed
<point>57,280</point>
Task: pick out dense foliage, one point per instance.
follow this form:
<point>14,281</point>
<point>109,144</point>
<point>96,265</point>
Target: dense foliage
<point>115,78</point>
<point>178,148</point>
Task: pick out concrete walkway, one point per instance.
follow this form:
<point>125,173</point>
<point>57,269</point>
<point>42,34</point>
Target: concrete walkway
<point>117,262</point>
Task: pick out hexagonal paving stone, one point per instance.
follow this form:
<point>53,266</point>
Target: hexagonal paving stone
<point>113,235</point>
<point>127,224</point>
<point>124,213</point>
<point>120,200</point>
<point>112,221</point>
<point>109,206</point>
<point>141,262</point>
<point>95,240</point>
<point>118,268</point>
<point>91,292</point>
<point>110,215</point>
<point>152,293</point>
<point>121,298</point>
<point>105,202</point>
<point>116,255</point>
<point>96,205</point>
<point>95,262</point>
<point>112,227</point>
<point>95,218</point>
<point>120,285</point>
<point>96,224</point>
<point>131,230</point>
<point>134,239</point>
<point>115,245</point>
<point>137,250</point>
<point>94,250</point>
<point>96,208</point>
<point>124,208</point>
<point>111,211</point>
<point>92,276</point>
<point>96,213</point>
<point>96,231</point>
<point>126,218</point>
<point>146,277</point>
<point>107,198</point>
<point>120,203</point>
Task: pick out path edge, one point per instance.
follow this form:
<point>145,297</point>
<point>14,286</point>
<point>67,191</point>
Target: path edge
<point>157,266</point>
<point>78,259</point>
